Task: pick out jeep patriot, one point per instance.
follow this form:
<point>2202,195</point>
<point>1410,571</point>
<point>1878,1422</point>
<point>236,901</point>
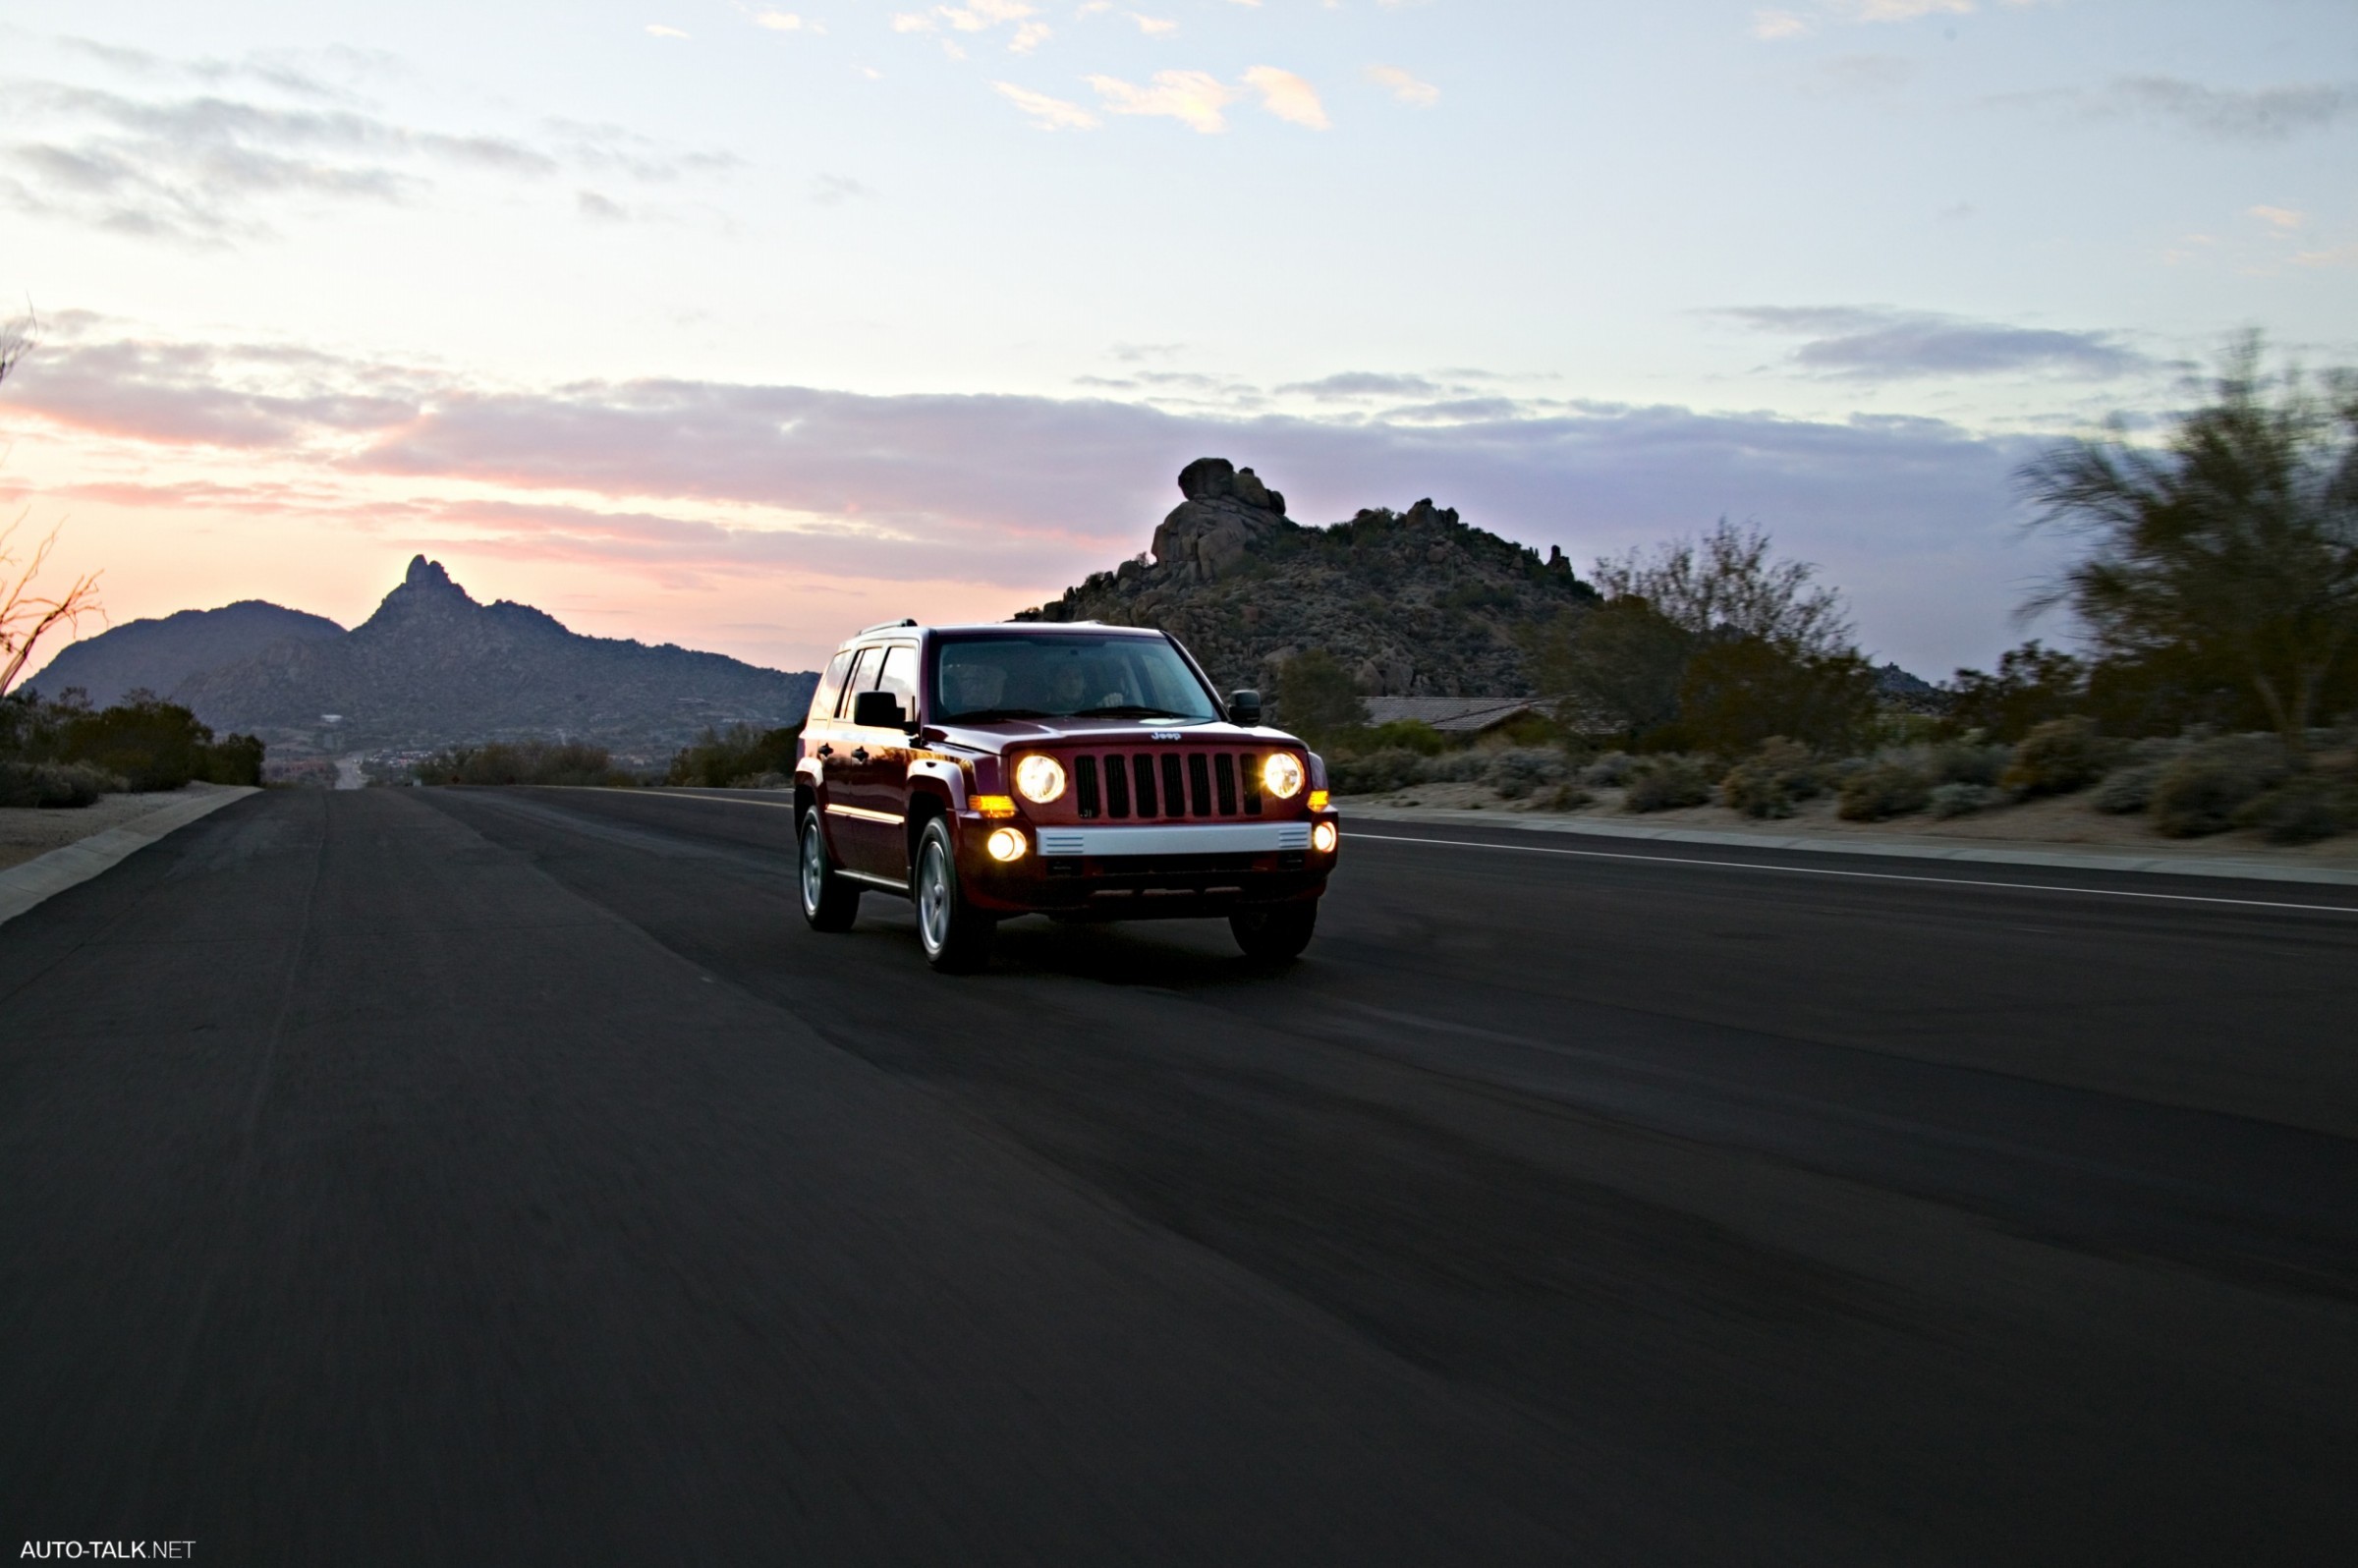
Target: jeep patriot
<point>1080,771</point>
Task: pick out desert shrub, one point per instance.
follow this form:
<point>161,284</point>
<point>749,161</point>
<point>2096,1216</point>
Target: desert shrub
<point>150,744</point>
<point>1454,767</point>
<point>2056,757</point>
<point>1609,771</point>
<point>1411,735</point>
<point>1968,761</point>
<point>1665,784</point>
<point>2201,791</point>
<point>1316,696</point>
<point>722,759</point>
<point>1518,772</point>
<point>237,760</point>
<point>1376,773</point>
<point>1769,782</point>
<point>55,785</point>
<point>1880,790</point>
<point>1564,796</point>
<point>2300,811</point>
<point>1958,799</point>
<point>518,762</point>
<point>2127,790</point>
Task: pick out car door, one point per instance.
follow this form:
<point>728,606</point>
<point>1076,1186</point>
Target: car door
<point>843,760</point>
<point>878,791</point>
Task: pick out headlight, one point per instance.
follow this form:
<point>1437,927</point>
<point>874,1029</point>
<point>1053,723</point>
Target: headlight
<point>1280,776</point>
<point>1322,838</point>
<point>1006,844</point>
<point>1039,778</point>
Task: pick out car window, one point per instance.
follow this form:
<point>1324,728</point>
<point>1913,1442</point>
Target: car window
<point>831,686</point>
<point>864,677</point>
<point>900,675</point>
<point>1065,674</point>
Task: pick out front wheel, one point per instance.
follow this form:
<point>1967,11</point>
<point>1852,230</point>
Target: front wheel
<point>1277,934</point>
<point>955,934</point>
<point>831,900</point>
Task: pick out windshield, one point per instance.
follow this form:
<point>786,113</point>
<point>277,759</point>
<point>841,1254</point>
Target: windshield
<point>1070,675</point>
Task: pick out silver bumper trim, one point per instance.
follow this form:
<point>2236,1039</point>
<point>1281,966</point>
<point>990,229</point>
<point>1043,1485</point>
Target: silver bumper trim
<point>1207,838</point>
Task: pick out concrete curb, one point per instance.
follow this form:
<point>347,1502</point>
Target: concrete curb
<point>71,865</point>
<point>2015,854</point>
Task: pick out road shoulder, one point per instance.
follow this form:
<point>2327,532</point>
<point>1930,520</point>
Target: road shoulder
<point>27,884</point>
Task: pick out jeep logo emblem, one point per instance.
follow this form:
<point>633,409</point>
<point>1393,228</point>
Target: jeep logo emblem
<point>1166,735</point>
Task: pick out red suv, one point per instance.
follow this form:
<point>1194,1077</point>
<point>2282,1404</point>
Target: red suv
<point>1080,771</point>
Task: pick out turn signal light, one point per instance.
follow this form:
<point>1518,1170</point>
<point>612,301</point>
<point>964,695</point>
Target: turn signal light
<point>1317,800</point>
<point>1322,837</point>
<point>1006,844</point>
<point>995,804</point>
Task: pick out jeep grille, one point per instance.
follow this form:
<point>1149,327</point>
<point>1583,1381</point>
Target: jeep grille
<point>1127,786</point>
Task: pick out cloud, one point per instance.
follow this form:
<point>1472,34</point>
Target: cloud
<point>979,16</point>
<point>1364,384</point>
<point>1153,27</point>
<point>207,169</point>
<point>599,208</point>
<point>1775,25</point>
<point>785,21</point>
<point>1195,98</point>
<point>2220,114</point>
<point>1877,344</point>
<point>1404,88</point>
<point>786,482</point>
<point>1288,97</point>
<point>657,30</point>
<point>2281,219</point>
<point>834,189</point>
<point>1896,10</point>
<point>1046,113</point>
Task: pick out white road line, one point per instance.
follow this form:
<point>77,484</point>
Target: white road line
<point>1872,876</point>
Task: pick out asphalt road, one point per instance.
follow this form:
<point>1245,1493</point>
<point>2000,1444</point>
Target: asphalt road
<point>508,1177</point>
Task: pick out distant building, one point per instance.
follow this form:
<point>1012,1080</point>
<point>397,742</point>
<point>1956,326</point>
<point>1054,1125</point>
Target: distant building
<point>1455,715</point>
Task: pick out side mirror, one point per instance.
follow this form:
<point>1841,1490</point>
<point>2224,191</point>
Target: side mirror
<point>878,710</point>
<point>1244,708</point>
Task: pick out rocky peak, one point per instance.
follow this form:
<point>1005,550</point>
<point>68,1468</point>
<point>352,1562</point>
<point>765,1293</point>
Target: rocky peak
<point>1225,509</point>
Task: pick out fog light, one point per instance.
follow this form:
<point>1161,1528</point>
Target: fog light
<point>995,804</point>
<point>1281,775</point>
<point>1039,778</point>
<point>1322,837</point>
<point>1006,844</point>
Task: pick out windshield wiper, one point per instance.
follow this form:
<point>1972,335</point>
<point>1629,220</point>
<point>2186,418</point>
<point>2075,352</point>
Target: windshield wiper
<point>1130,711</point>
<point>991,715</point>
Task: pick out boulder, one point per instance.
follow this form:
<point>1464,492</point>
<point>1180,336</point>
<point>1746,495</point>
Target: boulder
<point>1226,508</point>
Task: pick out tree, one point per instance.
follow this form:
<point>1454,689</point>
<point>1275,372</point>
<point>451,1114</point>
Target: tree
<point>2234,546</point>
<point>1726,583</point>
<point>1316,695</point>
<point>1620,666</point>
<point>25,616</point>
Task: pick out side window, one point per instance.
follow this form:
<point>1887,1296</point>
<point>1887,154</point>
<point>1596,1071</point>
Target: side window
<point>863,676</point>
<point>900,675</point>
<point>830,688</point>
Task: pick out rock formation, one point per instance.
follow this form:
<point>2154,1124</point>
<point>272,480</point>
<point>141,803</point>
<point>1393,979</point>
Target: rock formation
<point>1413,602</point>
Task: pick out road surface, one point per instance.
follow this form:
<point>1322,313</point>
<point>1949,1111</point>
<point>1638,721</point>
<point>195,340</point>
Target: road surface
<point>508,1176</point>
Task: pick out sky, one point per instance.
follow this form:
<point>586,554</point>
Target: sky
<point>741,326</point>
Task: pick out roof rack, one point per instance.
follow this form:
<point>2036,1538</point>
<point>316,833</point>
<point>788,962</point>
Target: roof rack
<point>885,626</point>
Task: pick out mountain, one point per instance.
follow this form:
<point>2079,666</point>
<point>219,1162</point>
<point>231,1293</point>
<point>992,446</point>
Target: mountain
<point>432,667</point>
<point>160,654</point>
<point>1415,603</point>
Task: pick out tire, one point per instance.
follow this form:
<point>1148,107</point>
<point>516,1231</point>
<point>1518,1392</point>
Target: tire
<point>831,900</point>
<point>955,936</point>
<point>1274,935</point>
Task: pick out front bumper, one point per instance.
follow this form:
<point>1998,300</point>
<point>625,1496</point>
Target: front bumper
<point>1152,872</point>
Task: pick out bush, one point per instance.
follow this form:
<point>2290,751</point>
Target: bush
<point>235,761</point>
<point>1516,773</point>
<point>1374,774</point>
<point>56,785</point>
<point>1609,771</point>
<point>150,744</point>
<point>2300,811</point>
<point>1769,782</point>
<point>1881,790</point>
<point>2129,790</point>
<point>1969,761</point>
<point>734,758</point>
<point>1665,784</point>
<point>1962,800</point>
<point>1564,796</point>
<point>2056,757</point>
<point>519,762</point>
<point>2201,791</point>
